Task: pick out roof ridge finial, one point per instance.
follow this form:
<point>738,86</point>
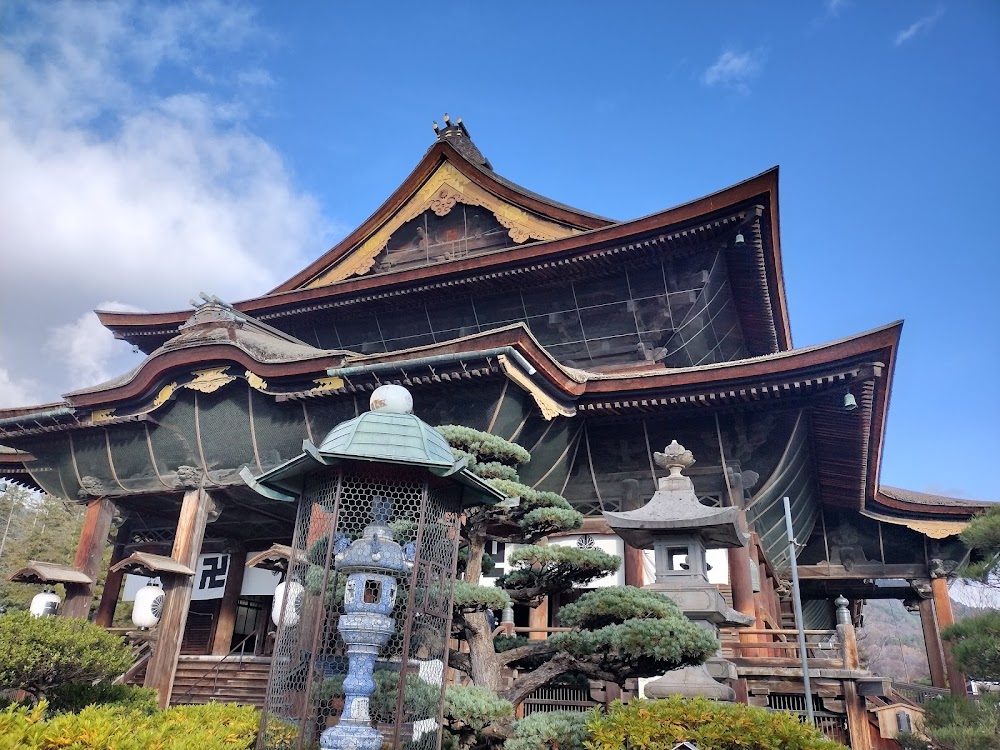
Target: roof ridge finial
<point>457,135</point>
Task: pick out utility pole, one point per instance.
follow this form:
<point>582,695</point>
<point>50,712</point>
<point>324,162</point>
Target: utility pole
<point>797,603</point>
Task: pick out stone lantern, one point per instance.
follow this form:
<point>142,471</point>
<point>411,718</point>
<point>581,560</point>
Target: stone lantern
<point>359,660</point>
<point>679,529</point>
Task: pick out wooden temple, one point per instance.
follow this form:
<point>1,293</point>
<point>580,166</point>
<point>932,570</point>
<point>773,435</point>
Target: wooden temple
<point>589,341</point>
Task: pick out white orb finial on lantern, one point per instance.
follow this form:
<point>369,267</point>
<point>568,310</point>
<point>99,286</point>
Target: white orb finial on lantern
<point>391,398</point>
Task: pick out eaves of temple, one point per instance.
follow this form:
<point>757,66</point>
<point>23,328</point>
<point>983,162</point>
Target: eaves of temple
<point>465,286</point>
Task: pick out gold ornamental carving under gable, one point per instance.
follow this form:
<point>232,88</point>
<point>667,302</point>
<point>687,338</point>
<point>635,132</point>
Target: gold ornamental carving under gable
<point>549,407</point>
<point>931,528</point>
<point>256,381</point>
<point>444,189</point>
<point>211,380</point>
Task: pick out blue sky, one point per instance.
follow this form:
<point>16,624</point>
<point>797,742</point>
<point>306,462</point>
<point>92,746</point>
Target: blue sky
<point>152,151</point>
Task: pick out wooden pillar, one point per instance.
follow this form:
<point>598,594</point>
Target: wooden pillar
<point>89,555</point>
<point>113,583</point>
<point>946,617</point>
<point>857,717</point>
<point>933,644</point>
<point>538,618</point>
<point>224,626</point>
<point>177,594</point>
<point>633,559</point>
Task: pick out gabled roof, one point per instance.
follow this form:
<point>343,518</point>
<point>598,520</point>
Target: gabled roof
<point>450,169</point>
<point>565,241</point>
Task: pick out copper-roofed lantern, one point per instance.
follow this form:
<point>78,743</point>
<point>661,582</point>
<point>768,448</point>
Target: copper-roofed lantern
<point>679,529</point>
<point>359,658</point>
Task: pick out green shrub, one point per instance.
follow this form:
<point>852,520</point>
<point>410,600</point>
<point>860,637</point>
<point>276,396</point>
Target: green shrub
<point>217,726</point>
<point>468,709</point>
<point>662,724</point>
<point>40,653</point>
<point>555,730</point>
<point>420,698</point>
<point>963,724</point>
<point>74,697</point>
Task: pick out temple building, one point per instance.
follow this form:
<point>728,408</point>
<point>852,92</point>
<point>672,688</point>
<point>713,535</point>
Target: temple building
<point>591,342</point>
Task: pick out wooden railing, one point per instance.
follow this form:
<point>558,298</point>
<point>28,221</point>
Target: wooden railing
<point>918,694</point>
<point>780,648</point>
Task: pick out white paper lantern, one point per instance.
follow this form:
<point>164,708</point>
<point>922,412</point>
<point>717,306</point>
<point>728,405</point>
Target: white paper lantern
<point>45,604</point>
<point>148,606</point>
<point>292,592</point>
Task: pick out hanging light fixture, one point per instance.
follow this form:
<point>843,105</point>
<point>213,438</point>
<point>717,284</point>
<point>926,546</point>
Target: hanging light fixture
<point>850,403</point>
<point>291,593</point>
<point>148,606</point>
<point>45,604</point>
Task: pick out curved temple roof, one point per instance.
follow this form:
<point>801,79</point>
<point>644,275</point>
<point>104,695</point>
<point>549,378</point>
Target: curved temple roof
<point>750,208</point>
<point>219,343</point>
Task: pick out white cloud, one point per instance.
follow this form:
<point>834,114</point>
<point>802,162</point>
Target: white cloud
<point>89,348</point>
<point>120,183</point>
<point>734,69</point>
<point>920,26</point>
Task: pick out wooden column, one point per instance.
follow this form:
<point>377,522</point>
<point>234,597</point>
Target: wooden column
<point>857,717</point>
<point>946,617</point>
<point>223,640</point>
<point>633,559</point>
<point>89,554</point>
<point>933,644</point>
<point>177,594</point>
<point>854,704</point>
<point>113,583</point>
<point>538,618</point>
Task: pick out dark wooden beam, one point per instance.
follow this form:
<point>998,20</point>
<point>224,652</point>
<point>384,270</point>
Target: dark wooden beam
<point>946,617</point>
<point>177,594</point>
<point>933,644</point>
<point>222,641</point>
<point>89,554</point>
<point>113,583</point>
<point>862,571</point>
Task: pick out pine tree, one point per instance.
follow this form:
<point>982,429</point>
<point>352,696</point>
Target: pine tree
<point>618,633</point>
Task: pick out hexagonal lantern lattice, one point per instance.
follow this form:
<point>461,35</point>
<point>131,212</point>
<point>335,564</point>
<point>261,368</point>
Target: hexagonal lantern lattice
<point>360,655</point>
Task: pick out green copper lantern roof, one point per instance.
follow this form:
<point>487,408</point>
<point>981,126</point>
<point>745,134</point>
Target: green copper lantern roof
<point>388,436</point>
<point>389,433</point>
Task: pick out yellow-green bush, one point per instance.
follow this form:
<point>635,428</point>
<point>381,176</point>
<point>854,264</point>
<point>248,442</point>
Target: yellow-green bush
<point>662,724</point>
<point>217,726</point>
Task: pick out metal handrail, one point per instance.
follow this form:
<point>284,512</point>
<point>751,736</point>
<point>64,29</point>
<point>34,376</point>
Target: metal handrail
<point>215,669</point>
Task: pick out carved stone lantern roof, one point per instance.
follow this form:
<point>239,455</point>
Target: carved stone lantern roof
<point>675,509</point>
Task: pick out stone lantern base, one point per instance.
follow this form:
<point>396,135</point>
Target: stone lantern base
<point>690,682</point>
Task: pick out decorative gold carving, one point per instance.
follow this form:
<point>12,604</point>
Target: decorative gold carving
<point>930,528</point>
<point>443,189</point>
<point>164,395</point>
<point>256,381</point>
<point>549,407</point>
<point>102,415</point>
<point>327,384</point>
<point>211,380</point>
<point>445,200</point>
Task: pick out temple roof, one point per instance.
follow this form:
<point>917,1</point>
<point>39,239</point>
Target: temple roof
<point>552,241</point>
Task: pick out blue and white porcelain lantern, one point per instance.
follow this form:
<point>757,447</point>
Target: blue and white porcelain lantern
<point>373,565</point>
